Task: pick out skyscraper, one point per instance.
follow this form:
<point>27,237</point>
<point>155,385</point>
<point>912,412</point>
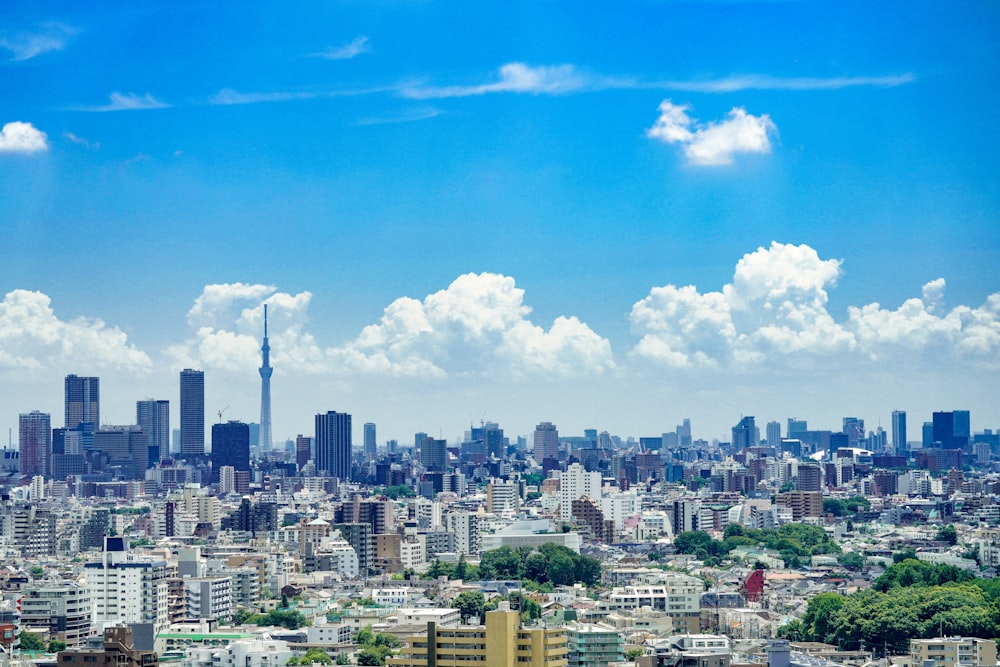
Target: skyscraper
<point>35,443</point>
<point>371,447</point>
<point>333,444</point>
<point>230,447</point>
<point>265,391</point>
<point>546,442</point>
<point>154,418</point>
<point>774,434</point>
<point>192,412</point>
<point>434,455</point>
<point>83,401</point>
<point>898,431</point>
<point>303,450</point>
<point>744,434</point>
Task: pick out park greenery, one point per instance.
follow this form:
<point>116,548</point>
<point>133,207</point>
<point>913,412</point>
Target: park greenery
<point>399,491</point>
<point>845,506</point>
<point>473,604</point>
<point>795,542</point>
<point>912,599</point>
<point>285,618</point>
<point>548,565</point>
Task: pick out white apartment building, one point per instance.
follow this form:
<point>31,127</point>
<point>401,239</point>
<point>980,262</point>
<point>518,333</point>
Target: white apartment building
<point>240,653</point>
<point>127,588</point>
<point>575,483</point>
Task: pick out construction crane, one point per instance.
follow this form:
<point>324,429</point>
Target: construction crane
<point>220,413</point>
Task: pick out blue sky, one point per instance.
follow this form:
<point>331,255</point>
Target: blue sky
<point>165,168</point>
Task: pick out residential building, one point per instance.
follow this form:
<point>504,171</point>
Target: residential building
<point>154,418</point>
<point>371,446</point>
<point>192,413</point>
<point>954,651</point>
<point>575,482</point>
<point>593,645</point>
<point>333,444</point>
<point>500,642</point>
<point>115,647</point>
<point>82,401</point>
<point>127,588</point>
<point>62,608</point>
<point>35,443</point>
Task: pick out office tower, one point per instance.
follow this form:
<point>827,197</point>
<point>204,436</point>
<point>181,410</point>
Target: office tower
<point>546,442</point>
<point>434,455</point>
<point>154,418</point>
<point>230,447</point>
<point>855,430</point>
<point>962,428</point>
<point>927,435</point>
<point>898,431</point>
<point>796,427</point>
<point>83,401</point>
<point>265,391</point>
<point>684,434</point>
<point>951,429</point>
<point>774,433</point>
<point>809,477</point>
<point>192,413</point>
<point>418,438</point>
<point>371,447</point>
<point>744,434</point>
<point>333,444</point>
<point>303,450</point>
<point>35,448</point>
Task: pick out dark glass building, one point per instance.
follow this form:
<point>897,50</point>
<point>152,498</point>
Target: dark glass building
<point>230,447</point>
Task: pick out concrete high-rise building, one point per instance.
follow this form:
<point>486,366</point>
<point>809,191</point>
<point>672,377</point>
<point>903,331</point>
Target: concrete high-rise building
<point>230,447</point>
<point>333,444</point>
<point>855,430</point>
<point>126,588</point>
<point>574,483</point>
<point>491,435</point>
<point>83,401</point>
<point>192,413</point>
<point>774,434</point>
<point>744,434</point>
<point>796,427</point>
<point>35,443</point>
<point>63,608</point>
<point>265,391</point>
<point>546,442</point>
<point>434,455</point>
<point>154,418</point>
<point>371,446</point>
<point>303,450</point>
<point>898,431</point>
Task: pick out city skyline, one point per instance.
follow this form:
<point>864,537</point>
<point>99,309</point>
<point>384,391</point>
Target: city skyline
<point>594,217</point>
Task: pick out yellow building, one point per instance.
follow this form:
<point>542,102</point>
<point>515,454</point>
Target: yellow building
<point>954,651</point>
<point>501,642</point>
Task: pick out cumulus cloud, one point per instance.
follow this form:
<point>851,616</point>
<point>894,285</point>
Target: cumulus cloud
<point>29,44</point>
<point>118,101</point>
<point>713,144</point>
<point>352,49</point>
<point>33,337</point>
<point>20,137</point>
<point>477,325</point>
<point>774,313</point>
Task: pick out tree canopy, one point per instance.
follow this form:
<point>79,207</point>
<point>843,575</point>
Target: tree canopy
<point>550,563</point>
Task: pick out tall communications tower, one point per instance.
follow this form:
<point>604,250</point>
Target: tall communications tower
<point>265,391</point>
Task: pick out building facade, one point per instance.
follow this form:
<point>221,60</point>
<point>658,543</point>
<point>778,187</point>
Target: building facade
<point>192,413</point>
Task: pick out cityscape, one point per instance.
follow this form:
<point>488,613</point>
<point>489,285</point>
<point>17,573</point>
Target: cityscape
<point>534,333</point>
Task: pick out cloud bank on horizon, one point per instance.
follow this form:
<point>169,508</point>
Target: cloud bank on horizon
<point>773,315</point>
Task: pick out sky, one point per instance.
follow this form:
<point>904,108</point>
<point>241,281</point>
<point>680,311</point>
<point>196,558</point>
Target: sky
<point>603,215</point>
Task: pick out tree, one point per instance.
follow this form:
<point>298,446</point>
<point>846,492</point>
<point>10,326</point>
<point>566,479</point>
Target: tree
<point>342,659</point>
<point>30,641</point>
<point>399,491</point>
<point>370,656</point>
<point>818,619</point>
<point>469,603</point>
<point>461,568</point>
<point>852,560</point>
<point>948,534</point>
<point>502,563</point>
<point>632,654</point>
<point>56,645</point>
<point>364,636</point>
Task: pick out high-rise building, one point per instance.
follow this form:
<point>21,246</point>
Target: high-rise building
<point>230,447</point>
<point>434,455</point>
<point>154,418</point>
<point>265,391</point>
<point>684,434</point>
<point>192,413</point>
<point>774,434</point>
<point>855,430</point>
<point>744,434</point>
<point>546,442</point>
<point>898,431</point>
<point>35,438</point>
<point>796,427</point>
<point>333,444</point>
<point>303,450</point>
<point>83,401</point>
<point>491,436</point>
<point>371,447</point>
<point>127,588</point>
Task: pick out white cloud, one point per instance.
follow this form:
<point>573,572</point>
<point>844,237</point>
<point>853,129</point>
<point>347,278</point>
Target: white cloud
<point>118,101</point>
<point>764,82</point>
<point>713,144</point>
<point>514,78</point>
<point>347,51</point>
<point>20,137</point>
<point>29,44</point>
<point>774,314</point>
<point>228,96</point>
<point>80,141</point>
<point>33,338</point>
<point>477,326</point>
